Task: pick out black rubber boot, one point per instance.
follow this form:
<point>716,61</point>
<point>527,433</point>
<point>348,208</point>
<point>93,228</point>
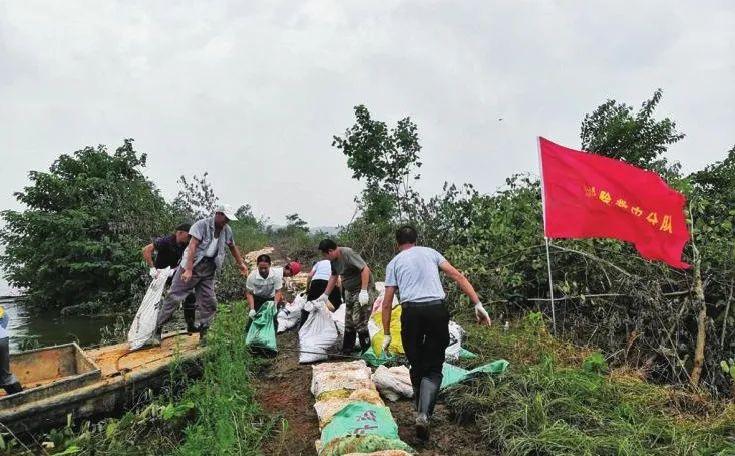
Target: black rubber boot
<point>364,341</point>
<point>427,396</point>
<point>348,344</point>
<point>13,388</point>
<point>189,316</point>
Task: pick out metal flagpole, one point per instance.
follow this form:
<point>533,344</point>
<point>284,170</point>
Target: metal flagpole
<point>546,239</point>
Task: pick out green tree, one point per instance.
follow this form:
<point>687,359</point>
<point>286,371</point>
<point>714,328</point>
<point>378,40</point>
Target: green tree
<point>196,198</point>
<point>615,131</point>
<point>78,240</point>
<point>386,159</point>
<point>294,222</point>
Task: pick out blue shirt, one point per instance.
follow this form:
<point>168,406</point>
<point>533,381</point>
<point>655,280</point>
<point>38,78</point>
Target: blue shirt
<point>415,271</point>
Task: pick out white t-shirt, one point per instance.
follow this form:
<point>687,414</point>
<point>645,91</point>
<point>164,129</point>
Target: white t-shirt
<point>322,270</point>
<point>415,272</point>
<point>212,249</point>
<point>265,287</point>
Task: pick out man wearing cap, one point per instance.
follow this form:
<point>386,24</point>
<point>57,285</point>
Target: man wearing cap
<point>168,250</point>
<point>203,257</point>
<point>414,273</point>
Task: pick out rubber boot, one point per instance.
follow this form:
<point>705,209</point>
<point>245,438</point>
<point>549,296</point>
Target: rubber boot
<point>13,388</point>
<point>427,396</point>
<point>364,341</point>
<point>416,395</point>
<point>189,315</point>
<point>155,340</point>
<point>348,344</point>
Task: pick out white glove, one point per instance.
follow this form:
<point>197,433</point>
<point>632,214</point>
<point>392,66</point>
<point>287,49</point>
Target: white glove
<point>252,313</point>
<point>322,299</point>
<point>386,342</point>
<point>153,272</point>
<point>171,272</point>
<point>363,298</point>
<point>481,314</point>
<point>316,305</point>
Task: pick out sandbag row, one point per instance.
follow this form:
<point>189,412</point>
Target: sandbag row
<point>352,417</point>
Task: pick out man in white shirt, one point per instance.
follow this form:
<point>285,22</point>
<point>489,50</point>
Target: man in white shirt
<point>414,274</point>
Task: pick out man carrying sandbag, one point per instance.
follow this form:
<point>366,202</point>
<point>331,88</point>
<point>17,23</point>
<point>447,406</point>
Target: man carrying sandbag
<point>168,250</point>
<point>359,290</point>
<point>202,259</point>
<point>266,284</point>
<point>414,273</point>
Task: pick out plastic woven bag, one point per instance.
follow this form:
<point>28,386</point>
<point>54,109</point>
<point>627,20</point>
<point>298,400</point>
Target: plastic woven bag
<point>453,374</point>
<point>290,314</point>
<point>262,332</point>
<point>361,419</point>
<point>318,336</point>
<point>144,323</point>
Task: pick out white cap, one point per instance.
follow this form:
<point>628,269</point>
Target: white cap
<point>227,210</point>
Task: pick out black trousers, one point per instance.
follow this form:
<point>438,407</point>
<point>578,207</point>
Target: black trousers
<point>425,337</point>
<point>316,289</point>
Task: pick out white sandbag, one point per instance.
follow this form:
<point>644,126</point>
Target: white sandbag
<point>333,380</point>
<point>144,323</point>
<point>456,337</point>
<point>393,383</point>
<point>338,316</point>
<point>338,367</point>
<point>318,335</point>
<point>290,314</point>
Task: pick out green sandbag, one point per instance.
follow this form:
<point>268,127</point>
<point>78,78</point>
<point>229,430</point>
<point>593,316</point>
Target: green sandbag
<point>466,354</point>
<point>375,361</point>
<point>363,444</point>
<point>453,374</point>
<point>262,332</point>
<point>360,418</point>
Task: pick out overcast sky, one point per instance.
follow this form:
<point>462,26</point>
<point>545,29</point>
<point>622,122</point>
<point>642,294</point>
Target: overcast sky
<point>253,91</point>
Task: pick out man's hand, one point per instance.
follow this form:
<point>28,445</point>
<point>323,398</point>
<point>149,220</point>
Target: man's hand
<point>322,299</point>
<point>481,314</point>
<point>386,343</point>
<point>186,275</point>
<point>244,269</point>
<point>363,298</point>
<point>153,272</point>
<point>252,313</point>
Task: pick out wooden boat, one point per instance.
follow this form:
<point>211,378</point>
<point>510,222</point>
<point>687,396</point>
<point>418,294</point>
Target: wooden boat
<point>65,379</point>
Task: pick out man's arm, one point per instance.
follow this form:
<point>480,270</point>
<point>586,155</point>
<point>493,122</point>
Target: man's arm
<point>238,259</point>
<point>190,254</point>
<point>251,301</point>
<point>467,289</point>
<point>330,285</point>
<point>279,297</point>
<point>148,255</point>
<point>365,278</point>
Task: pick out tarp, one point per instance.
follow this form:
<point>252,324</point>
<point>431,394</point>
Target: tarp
<point>262,332</point>
<point>453,374</point>
<point>144,323</point>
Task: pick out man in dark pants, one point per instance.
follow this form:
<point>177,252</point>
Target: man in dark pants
<point>8,381</point>
<point>315,286</point>
<point>204,256</point>
<point>169,250</point>
<point>414,273</point>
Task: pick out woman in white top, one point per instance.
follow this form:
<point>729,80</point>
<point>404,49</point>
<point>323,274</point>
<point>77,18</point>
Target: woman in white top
<point>317,283</point>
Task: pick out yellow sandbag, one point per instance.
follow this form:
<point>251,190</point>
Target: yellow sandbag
<point>396,345</point>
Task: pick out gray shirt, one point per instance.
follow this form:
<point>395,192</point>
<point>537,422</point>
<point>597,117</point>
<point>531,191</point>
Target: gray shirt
<point>204,231</point>
<point>350,265</point>
<point>415,271</point>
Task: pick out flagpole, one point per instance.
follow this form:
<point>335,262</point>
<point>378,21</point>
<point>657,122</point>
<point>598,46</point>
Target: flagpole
<point>546,239</point>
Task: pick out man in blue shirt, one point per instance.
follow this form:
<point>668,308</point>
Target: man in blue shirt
<point>414,274</point>
<point>8,381</point>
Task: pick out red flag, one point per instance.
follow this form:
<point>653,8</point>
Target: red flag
<point>587,195</point>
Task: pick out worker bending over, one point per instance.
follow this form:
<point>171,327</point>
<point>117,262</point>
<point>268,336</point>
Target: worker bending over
<point>266,283</point>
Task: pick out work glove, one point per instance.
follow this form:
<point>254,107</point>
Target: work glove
<point>363,298</point>
<point>252,313</point>
<point>171,272</point>
<point>482,315</point>
<point>386,343</point>
<point>322,299</point>
<point>318,304</point>
<point>153,272</point>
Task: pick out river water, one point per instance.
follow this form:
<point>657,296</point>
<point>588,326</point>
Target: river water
<point>49,328</point>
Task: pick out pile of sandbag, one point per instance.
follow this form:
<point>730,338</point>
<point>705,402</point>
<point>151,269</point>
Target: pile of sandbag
<point>352,417</point>
<point>393,383</point>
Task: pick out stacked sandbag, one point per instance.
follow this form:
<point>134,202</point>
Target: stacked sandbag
<point>393,383</point>
<point>352,416</point>
<point>375,327</point>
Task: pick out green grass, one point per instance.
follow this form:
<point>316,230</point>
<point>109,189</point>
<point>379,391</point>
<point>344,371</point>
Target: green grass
<point>214,415</point>
<point>554,401</point>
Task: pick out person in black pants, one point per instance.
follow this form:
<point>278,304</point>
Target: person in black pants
<point>169,250</point>
<point>317,284</point>
<point>414,274</point>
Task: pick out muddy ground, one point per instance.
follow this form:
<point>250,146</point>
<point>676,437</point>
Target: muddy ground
<point>282,388</point>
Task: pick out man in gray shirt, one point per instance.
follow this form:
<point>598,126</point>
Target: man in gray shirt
<point>202,258</point>
<point>359,290</point>
<point>414,273</point>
